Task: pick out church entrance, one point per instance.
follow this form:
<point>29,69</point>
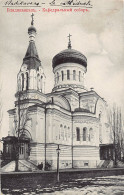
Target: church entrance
<point>24,145</point>
<point>23,151</point>
<point>10,150</point>
<point>106,151</point>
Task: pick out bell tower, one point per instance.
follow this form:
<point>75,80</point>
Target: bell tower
<point>31,76</point>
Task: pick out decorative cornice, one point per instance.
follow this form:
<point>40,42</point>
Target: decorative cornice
<point>12,111</point>
<point>71,86</point>
<point>65,92</point>
<point>59,112</point>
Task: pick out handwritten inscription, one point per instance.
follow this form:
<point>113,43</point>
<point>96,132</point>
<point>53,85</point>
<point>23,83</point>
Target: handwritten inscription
<point>62,3</point>
<point>21,3</point>
<point>73,3</point>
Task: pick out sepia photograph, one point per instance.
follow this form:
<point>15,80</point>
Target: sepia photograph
<point>62,97</point>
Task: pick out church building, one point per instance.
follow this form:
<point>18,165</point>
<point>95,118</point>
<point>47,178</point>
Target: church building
<point>70,118</point>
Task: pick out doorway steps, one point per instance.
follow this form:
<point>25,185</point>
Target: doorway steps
<point>24,165</point>
<point>30,166</point>
<point>105,164</point>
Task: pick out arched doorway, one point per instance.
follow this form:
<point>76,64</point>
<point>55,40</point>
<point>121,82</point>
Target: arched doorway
<point>24,144</point>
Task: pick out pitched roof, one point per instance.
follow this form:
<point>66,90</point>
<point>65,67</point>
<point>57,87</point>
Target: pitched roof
<point>31,57</point>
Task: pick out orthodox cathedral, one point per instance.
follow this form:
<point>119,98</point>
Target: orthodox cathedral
<point>70,118</point>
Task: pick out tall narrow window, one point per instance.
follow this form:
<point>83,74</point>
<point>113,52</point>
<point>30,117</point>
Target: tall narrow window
<point>69,133</point>
<point>41,83</point>
<point>22,148</point>
<point>66,133</point>
<point>74,74</point>
<point>78,134</point>
<point>79,76</point>
<point>62,75</point>
<point>90,134</point>
<point>57,77</point>
<point>22,81</point>
<point>84,133</point>
<point>7,148</point>
<point>27,81</point>
<point>60,130</point>
<point>68,74</point>
<point>38,81</point>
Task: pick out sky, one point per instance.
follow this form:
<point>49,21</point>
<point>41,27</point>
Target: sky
<point>98,34</point>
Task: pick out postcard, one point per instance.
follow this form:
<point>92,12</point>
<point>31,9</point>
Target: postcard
<point>61,96</point>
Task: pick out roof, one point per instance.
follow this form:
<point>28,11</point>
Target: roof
<point>31,28</point>
<point>92,92</point>
<point>69,55</point>
<point>31,57</point>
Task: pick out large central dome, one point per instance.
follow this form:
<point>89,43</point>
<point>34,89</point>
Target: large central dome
<point>69,56</point>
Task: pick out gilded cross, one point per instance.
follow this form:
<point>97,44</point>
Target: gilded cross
<point>69,37</point>
<point>69,43</point>
<point>32,22</point>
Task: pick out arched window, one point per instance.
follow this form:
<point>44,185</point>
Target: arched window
<point>19,83</point>
<point>22,81</point>
<point>65,133</point>
<point>78,134</point>
<point>79,75</point>
<point>100,115</point>
<point>60,130</point>
<point>68,74</point>
<point>38,81</point>
<point>7,148</point>
<point>90,134</point>
<point>41,83</point>
<point>62,75</point>
<point>74,74</point>
<point>21,148</point>
<point>57,77</point>
<point>84,133</point>
<point>69,133</point>
<point>27,82</point>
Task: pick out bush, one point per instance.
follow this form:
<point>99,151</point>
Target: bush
<point>40,166</point>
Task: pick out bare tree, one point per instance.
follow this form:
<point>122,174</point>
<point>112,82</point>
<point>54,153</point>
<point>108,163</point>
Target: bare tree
<point>117,133</point>
<point>1,118</point>
<point>20,124</point>
<point>1,112</point>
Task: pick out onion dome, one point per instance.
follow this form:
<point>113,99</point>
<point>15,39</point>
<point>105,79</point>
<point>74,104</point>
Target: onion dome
<point>32,28</point>
<point>69,56</point>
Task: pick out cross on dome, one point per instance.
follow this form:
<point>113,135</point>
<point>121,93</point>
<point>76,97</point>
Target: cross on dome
<point>32,22</point>
<point>69,42</point>
<point>69,37</point>
<point>32,30</point>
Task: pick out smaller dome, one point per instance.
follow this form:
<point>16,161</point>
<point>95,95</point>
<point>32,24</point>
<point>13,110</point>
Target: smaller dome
<point>31,28</point>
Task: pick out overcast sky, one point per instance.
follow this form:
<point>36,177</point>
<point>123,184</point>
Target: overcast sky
<point>98,34</point>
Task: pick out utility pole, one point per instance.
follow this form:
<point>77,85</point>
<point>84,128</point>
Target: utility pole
<point>18,134</point>
<point>114,131</point>
<point>58,152</point>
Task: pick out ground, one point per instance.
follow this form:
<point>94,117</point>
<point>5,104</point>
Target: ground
<point>70,184</point>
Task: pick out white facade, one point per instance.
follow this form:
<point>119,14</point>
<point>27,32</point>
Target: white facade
<point>76,76</point>
<point>70,116</point>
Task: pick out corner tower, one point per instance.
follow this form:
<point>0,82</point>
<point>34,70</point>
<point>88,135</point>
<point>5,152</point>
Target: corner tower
<point>69,67</point>
<point>31,75</point>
